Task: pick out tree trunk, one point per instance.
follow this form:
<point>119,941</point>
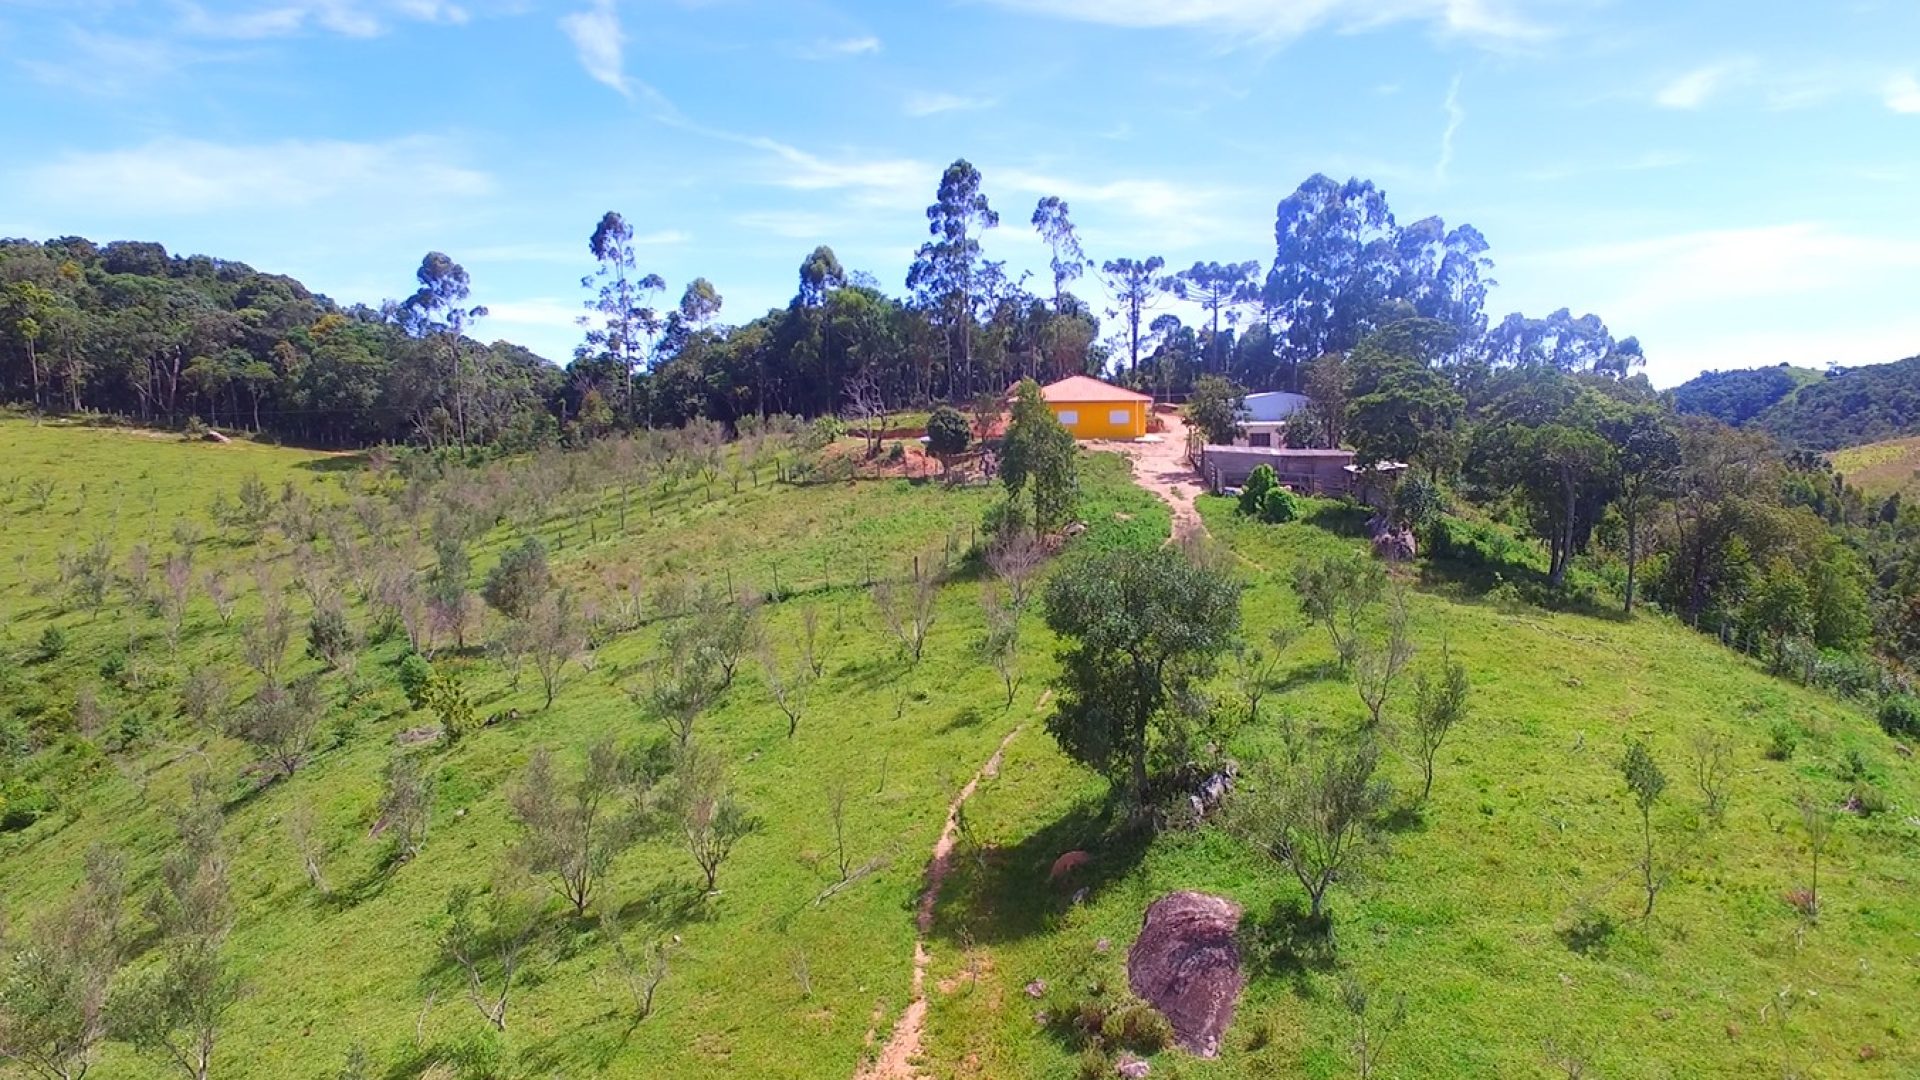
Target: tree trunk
<point>1633,549</point>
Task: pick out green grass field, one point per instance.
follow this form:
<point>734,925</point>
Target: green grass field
<point>1467,911</point>
<point>1883,468</point>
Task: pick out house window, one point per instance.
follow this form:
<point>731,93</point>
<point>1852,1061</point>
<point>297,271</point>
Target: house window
<point>1260,438</point>
<point>1069,417</point>
<point>1120,418</point>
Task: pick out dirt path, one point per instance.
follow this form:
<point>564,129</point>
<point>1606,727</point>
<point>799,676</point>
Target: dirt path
<point>1161,467</point>
<point>903,1045</point>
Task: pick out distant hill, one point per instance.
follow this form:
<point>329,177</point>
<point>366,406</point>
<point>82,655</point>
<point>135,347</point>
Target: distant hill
<point>1882,468</point>
<point>1847,407</point>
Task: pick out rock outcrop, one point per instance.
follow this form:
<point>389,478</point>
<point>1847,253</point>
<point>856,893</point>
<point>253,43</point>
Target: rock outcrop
<point>1186,964</point>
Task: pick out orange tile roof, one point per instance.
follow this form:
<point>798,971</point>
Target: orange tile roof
<point>1088,388</point>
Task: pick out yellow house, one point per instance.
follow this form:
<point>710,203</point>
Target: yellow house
<point>1092,409</point>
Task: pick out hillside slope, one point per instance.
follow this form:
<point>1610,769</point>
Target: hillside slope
<point>1810,410</point>
<point>1505,909</point>
<point>1882,468</point>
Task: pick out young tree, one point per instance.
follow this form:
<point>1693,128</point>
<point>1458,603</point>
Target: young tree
<point>1712,768</point>
<point>1139,630</point>
<point>1337,591</point>
<point>947,434</point>
<point>684,680</point>
<point>307,846</point>
<point>1001,645</point>
<point>490,953</point>
<point>330,638</point>
<point>1254,668</point>
<point>447,700</point>
<point>908,608</point>
<point>264,640</point>
<point>555,637</point>
<point>1370,1027</point>
<point>571,833</point>
<point>519,580</point>
<point>817,643</point>
<point>1817,821</point>
<point>712,820</point>
<point>1214,408</point>
<point>53,1002</point>
<point>1314,816</point>
<point>642,970</point>
<point>1439,705</point>
<point>406,805</point>
<point>280,724</point>
<point>1039,451</point>
<point>787,688</point>
<point>1645,782</point>
<point>447,588</point>
<point>1377,665</point>
<point>1015,559</point>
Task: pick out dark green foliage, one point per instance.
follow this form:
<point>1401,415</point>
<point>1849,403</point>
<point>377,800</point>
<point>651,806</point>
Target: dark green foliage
<point>519,580</point>
<point>1214,408</point>
<point>1139,629</point>
<point>1900,714</point>
<point>1735,397</point>
<point>52,643</point>
<point>416,672</point>
<point>1782,739</point>
<point>948,432</point>
<point>1645,782</point>
<point>1039,458</point>
<point>1278,507</point>
<point>1253,493</point>
<point>329,637</point>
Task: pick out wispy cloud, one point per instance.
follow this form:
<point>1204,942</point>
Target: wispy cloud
<point>930,104</point>
<point>600,43</point>
<point>1283,20</point>
<point>1695,88</point>
<point>180,176</point>
<point>876,180</point>
<point>280,18</point>
<point>112,65</point>
<point>1456,115</point>
<point>837,48</point>
<point>1902,93</point>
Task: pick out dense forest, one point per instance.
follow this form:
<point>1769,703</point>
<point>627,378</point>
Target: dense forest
<point>1810,410</point>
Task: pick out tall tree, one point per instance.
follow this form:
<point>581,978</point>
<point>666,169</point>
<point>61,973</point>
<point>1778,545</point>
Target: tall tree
<point>1217,288</point>
<point>946,269</point>
<point>820,274</point>
<point>1136,285</point>
<point>1069,261</point>
<point>626,322</point>
<point>1646,458</point>
<point>438,310</point>
<point>700,303</point>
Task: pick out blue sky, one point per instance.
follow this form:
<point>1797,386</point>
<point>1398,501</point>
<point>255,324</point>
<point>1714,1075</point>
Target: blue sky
<point>1734,182</point>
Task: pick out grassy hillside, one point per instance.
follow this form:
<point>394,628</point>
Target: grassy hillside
<point>1809,409</point>
<point>1883,468</point>
<point>1502,910</point>
<point>764,981</point>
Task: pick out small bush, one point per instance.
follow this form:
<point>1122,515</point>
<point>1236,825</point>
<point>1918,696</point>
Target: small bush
<point>1137,1026</point>
<point>1278,506</point>
<point>415,674</point>
<point>1782,738</point>
<point>897,453</point>
<point>1253,493</point>
<point>947,431</point>
<point>53,643</point>
<point>1900,714</point>
<point>1867,800</point>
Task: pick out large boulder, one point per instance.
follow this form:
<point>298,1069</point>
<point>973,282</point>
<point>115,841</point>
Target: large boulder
<point>1186,964</point>
<point>1394,544</point>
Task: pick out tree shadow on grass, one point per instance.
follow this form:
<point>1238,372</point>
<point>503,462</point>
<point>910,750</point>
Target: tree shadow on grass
<point>1340,518</point>
<point>668,907</point>
<point>1322,671</point>
<point>1288,942</point>
<point>999,893</point>
<point>335,463</point>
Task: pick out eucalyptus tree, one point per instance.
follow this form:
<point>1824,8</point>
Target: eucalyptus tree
<point>945,277</point>
<point>625,322</point>
<point>1069,260</point>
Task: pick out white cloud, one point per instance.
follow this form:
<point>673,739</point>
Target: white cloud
<point>1693,89</point>
<point>600,43</point>
<point>926,104</point>
<point>280,18</point>
<point>887,181</point>
<point>1455,117</point>
<point>1284,20</point>
<point>182,176</point>
<point>564,254</point>
<point>835,48</point>
<point>1902,93</point>
<point>1757,263</point>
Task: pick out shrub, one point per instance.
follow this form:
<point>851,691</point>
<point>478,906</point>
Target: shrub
<point>897,453</point>
<point>1867,800</point>
<point>416,673</point>
<point>1253,493</point>
<point>1781,740</point>
<point>1278,506</point>
<point>1417,503</point>
<point>53,642</point>
<point>1137,1026</point>
<point>823,431</point>
<point>947,431</point>
<point>519,579</point>
<point>1900,714</point>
